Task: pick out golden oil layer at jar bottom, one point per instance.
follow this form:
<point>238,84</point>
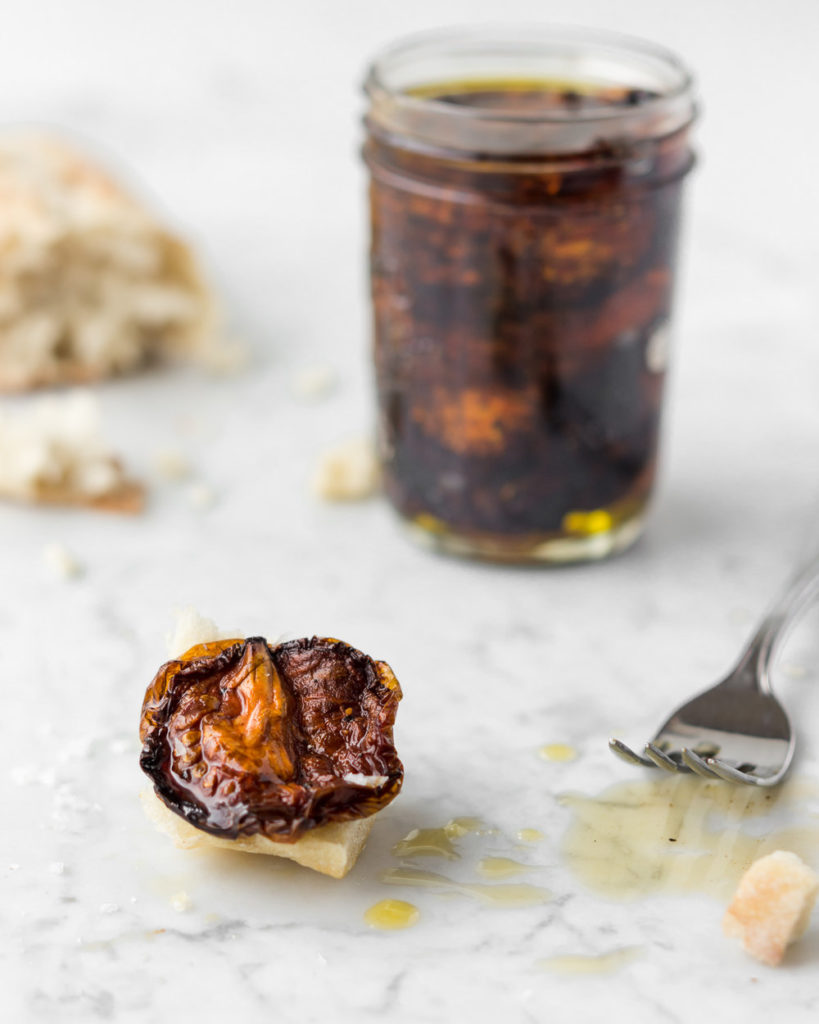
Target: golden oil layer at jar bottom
<point>585,536</point>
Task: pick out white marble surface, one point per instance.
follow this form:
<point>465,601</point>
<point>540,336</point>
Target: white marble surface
<point>242,120</point>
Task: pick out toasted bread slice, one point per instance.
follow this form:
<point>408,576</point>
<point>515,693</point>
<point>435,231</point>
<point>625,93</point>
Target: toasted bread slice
<point>330,849</point>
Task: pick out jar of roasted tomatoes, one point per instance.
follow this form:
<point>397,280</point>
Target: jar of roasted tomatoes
<point>525,200</point>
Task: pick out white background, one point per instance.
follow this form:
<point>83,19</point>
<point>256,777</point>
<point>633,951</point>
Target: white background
<point>241,121</point>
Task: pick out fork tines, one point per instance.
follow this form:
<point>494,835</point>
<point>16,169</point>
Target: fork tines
<point>683,761</point>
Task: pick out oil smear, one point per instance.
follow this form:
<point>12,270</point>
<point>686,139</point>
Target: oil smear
<point>529,835</point>
<point>501,867</point>
<point>557,752</point>
<point>684,834</point>
<point>600,963</point>
<point>426,842</point>
<point>391,915</point>
<point>512,895</point>
<point>438,842</point>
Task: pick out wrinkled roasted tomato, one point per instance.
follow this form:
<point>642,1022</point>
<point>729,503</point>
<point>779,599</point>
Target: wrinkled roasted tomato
<point>240,737</point>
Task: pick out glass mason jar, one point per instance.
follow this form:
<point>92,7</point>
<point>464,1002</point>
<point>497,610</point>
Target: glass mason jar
<point>525,197</point>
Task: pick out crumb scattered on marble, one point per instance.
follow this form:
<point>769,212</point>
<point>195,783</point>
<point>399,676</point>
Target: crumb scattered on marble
<point>229,356</point>
<point>772,905</point>
<point>109,908</point>
<point>347,472</point>
<point>57,867</point>
<point>311,383</point>
<point>61,562</point>
<point>119,745</point>
<point>181,901</point>
<point>172,464</point>
<point>201,496</point>
<point>13,867</point>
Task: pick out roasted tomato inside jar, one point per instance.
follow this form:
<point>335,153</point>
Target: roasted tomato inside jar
<point>241,737</point>
<point>523,247</point>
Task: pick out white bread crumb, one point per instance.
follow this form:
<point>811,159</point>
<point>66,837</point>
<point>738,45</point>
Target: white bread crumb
<point>373,781</point>
<point>772,905</point>
<point>54,449</point>
<point>348,472</point>
<point>181,901</point>
<point>61,562</point>
<point>201,496</point>
<point>172,464</point>
<point>191,629</point>
<point>313,382</point>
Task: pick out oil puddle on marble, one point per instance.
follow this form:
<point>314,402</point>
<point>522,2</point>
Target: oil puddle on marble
<point>680,834</point>
<point>440,842</point>
<point>599,963</point>
<point>512,895</point>
<point>501,867</point>
<point>445,842</point>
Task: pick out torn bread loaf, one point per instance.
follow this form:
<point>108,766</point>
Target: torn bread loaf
<point>53,451</point>
<point>772,905</point>
<point>90,283</point>
<point>281,749</point>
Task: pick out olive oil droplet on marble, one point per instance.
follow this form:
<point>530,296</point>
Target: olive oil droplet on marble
<point>438,842</point>
<point>392,915</point>
<point>501,867</point>
<point>557,752</point>
<point>529,835</point>
<point>514,895</point>
<point>601,963</point>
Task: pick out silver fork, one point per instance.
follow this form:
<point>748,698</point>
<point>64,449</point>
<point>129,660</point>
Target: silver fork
<point>737,730</point>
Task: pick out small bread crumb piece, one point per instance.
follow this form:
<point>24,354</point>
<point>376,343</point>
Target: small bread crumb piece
<point>772,905</point>
<point>224,356</point>
<point>172,465</point>
<point>61,562</point>
<point>313,382</point>
<point>191,629</point>
<point>201,496</point>
<point>181,901</point>
<point>53,451</point>
<point>373,781</point>
<point>348,472</point>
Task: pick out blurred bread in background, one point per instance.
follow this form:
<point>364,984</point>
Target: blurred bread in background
<point>91,284</point>
<point>53,451</point>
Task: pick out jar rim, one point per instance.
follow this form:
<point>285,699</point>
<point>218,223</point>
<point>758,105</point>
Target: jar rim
<point>536,39</point>
<point>589,57</point>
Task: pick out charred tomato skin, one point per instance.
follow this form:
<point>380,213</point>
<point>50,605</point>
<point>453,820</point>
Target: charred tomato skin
<point>240,737</point>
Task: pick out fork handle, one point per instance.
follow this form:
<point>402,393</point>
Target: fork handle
<point>758,656</point>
